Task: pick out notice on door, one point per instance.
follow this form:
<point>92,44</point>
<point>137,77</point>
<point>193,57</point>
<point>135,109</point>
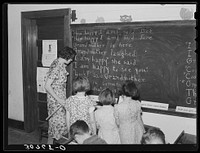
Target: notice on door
<point>41,78</point>
<point>49,52</point>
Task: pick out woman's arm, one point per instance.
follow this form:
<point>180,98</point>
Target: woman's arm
<point>51,91</point>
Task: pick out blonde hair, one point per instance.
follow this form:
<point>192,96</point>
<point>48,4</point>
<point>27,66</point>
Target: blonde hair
<point>107,97</point>
<point>81,84</point>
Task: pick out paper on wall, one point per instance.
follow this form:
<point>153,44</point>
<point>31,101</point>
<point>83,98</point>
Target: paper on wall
<point>185,110</point>
<point>49,52</point>
<point>41,78</point>
<point>154,105</point>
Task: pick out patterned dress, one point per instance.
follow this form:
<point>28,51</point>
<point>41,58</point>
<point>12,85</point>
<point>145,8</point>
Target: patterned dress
<point>57,123</point>
<point>78,107</point>
<point>127,115</point>
<point>106,124</point>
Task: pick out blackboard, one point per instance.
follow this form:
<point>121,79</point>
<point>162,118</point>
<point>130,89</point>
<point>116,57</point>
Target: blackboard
<point>159,56</point>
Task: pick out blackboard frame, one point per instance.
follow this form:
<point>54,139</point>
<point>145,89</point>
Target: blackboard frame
<point>170,111</point>
<point>139,23</point>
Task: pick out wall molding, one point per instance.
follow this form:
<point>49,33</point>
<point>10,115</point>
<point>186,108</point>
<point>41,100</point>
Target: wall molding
<point>16,124</point>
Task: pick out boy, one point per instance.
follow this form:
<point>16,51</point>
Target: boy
<point>153,136</point>
<point>80,132</point>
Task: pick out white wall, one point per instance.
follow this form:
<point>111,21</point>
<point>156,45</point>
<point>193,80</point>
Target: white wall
<point>169,124</point>
<point>15,89</point>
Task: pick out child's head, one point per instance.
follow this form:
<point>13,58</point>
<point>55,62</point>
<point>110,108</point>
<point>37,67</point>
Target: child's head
<point>153,136</point>
<point>78,130</point>
<point>67,53</point>
<point>106,97</point>
<point>81,84</point>
<point>129,89</point>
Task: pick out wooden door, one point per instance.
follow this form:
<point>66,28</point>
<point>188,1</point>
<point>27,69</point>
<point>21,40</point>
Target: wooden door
<point>36,27</point>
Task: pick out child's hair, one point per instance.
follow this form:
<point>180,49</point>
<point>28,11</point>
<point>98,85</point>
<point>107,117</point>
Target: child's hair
<point>79,127</point>
<point>129,89</point>
<point>81,84</point>
<point>67,53</point>
<point>106,97</point>
<point>152,134</point>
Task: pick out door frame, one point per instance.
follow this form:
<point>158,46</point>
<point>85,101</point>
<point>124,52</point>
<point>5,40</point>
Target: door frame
<point>30,56</point>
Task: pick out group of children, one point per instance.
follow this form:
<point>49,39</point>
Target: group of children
<point>80,133</point>
<point>110,123</point>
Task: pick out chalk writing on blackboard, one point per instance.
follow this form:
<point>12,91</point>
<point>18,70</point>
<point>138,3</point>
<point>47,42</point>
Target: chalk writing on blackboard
<point>159,57</point>
<point>190,77</point>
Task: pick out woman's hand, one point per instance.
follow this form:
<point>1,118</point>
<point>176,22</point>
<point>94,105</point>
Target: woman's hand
<point>61,102</point>
<point>53,94</point>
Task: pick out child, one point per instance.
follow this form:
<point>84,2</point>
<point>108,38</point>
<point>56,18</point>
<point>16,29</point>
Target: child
<point>80,132</point>
<point>78,105</point>
<point>104,117</point>
<point>153,136</point>
<point>128,115</point>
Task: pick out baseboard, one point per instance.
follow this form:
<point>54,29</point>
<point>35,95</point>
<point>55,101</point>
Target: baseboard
<point>16,124</point>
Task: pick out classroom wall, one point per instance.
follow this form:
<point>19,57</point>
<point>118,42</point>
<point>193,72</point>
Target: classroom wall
<point>172,126</point>
<point>110,14</point>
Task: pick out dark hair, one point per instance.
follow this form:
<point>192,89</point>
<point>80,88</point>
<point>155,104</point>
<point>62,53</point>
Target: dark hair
<point>106,97</point>
<point>81,84</point>
<point>78,127</point>
<point>67,53</point>
<point>129,89</point>
<point>153,133</point>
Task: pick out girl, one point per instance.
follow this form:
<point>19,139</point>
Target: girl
<point>78,105</point>
<point>104,117</point>
<point>128,115</point>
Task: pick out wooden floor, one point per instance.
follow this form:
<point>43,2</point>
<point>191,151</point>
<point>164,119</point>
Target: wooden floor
<point>16,136</point>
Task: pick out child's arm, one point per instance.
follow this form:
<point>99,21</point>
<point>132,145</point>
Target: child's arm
<point>140,120</point>
<point>116,114</point>
<point>68,121</point>
<point>92,120</point>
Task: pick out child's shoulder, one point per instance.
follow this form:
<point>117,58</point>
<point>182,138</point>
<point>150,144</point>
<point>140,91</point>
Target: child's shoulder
<point>70,98</point>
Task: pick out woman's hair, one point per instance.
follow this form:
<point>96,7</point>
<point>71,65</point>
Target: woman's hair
<point>106,97</point>
<point>152,134</point>
<point>67,53</point>
<point>129,89</point>
<point>79,127</point>
<point>81,84</point>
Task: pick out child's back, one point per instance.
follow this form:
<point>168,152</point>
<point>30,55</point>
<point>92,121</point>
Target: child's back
<point>108,129</point>
<point>78,107</point>
<point>105,119</point>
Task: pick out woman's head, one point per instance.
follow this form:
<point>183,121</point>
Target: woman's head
<point>129,89</point>
<point>67,53</point>
<point>81,84</point>
<point>153,136</point>
<point>106,97</point>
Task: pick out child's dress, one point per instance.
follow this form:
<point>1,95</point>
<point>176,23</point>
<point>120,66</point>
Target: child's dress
<point>127,115</point>
<point>78,108</point>
<point>106,124</point>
